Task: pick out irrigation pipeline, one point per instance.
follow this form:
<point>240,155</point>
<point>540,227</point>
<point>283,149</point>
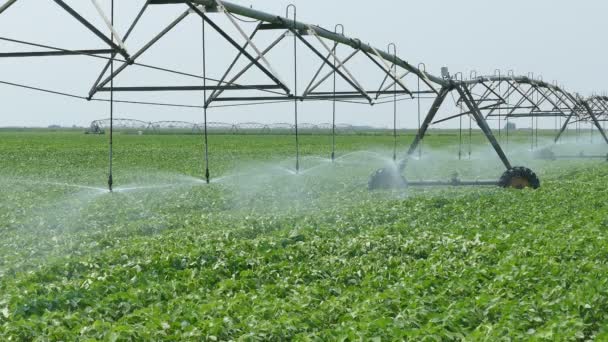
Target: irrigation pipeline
<point>388,62</point>
<point>339,38</point>
<point>352,42</point>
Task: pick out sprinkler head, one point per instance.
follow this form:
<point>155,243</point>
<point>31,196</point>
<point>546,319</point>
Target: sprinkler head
<point>207,176</point>
<point>455,180</point>
<point>386,179</point>
<point>333,157</point>
<point>110,183</point>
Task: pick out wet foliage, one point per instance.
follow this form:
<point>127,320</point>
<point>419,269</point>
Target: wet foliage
<point>263,254</point>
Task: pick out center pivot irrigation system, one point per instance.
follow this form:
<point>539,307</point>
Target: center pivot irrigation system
<point>386,79</point>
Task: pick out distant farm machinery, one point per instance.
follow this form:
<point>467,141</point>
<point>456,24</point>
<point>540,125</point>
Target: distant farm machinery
<point>124,125</point>
<point>347,70</point>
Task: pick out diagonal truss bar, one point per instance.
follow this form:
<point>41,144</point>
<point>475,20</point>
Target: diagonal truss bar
<point>387,69</point>
<point>139,53</point>
<point>402,76</point>
<point>564,126</point>
<point>235,60</point>
<point>525,96</point>
<point>91,28</point>
<point>326,76</point>
<point>253,46</point>
<point>595,121</point>
<point>463,114</point>
<point>603,104</point>
<point>562,100</point>
<point>278,21</point>
<point>109,25</point>
<point>569,118</point>
<point>321,67</point>
<point>597,105</point>
<point>352,81</point>
<point>384,79</point>
<point>326,47</point>
<point>107,66</point>
<point>485,97</point>
<point>6,5</point>
<point>443,93</point>
<point>544,95</point>
<point>481,122</point>
<point>492,90</point>
<point>237,46</point>
<point>247,67</point>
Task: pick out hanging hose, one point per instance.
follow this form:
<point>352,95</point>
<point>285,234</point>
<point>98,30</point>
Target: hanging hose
<point>532,130</point>
<point>507,116</point>
<point>460,134</point>
<point>555,124</point>
<point>419,125</point>
<point>458,104</point>
<point>394,106</point>
<point>295,89</point>
<point>395,127</point>
<point>559,126</point>
<point>500,106</point>
<point>207,173</point>
<point>470,136</point>
<point>333,120</point>
<point>111,147</point>
<point>537,132</point>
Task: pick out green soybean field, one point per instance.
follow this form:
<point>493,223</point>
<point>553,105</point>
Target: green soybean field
<point>264,253</point>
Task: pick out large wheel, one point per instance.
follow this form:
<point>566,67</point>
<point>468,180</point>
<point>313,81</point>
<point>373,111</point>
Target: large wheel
<point>519,178</point>
<point>385,179</point>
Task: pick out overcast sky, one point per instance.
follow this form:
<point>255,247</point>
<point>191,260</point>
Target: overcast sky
<point>558,39</point>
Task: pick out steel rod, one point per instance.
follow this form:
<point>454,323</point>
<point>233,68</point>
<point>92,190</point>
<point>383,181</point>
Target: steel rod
<point>6,5</point>
<point>111,138</point>
<point>206,135</point>
<point>295,85</point>
<point>455,182</point>
<point>55,53</point>
<point>187,88</point>
<point>92,28</point>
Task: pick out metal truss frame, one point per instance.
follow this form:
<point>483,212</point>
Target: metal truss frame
<point>486,98</point>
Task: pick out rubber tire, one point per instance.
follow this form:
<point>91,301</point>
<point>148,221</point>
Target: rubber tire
<point>386,179</point>
<point>519,172</point>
